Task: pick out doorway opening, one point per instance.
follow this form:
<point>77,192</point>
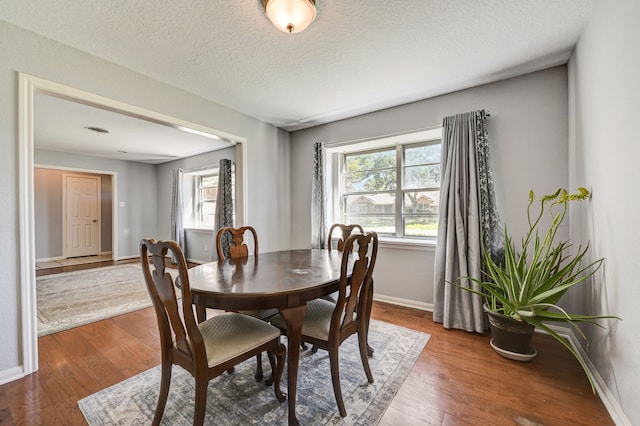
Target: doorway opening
<point>28,87</point>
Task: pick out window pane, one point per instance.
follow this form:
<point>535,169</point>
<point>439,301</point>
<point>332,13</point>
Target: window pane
<point>428,154</point>
<point>377,203</point>
<point>370,160</point>
<point>210,180</point>
<point>372,171</point>
<point>379,224</point>
<point>207,214</point>
<point>209,193</point>
<point>421,226</point>
<point>421,202</point>
<point>372,180</point>
<point>422,176</point>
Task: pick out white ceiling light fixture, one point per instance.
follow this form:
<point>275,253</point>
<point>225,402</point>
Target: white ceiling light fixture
<point>290,16</point>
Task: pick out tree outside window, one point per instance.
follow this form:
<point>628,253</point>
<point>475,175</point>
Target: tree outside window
<point>394,191</point>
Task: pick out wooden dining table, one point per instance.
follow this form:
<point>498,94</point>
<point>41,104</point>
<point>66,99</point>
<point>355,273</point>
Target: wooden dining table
<point>285,280</point>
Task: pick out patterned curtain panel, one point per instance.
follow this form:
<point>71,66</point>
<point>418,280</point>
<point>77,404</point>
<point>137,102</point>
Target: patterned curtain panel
<point>318,194</point>
<point>468,219</point>
<point>224,203</point>
<point>490,223</point>
<point>177,228</point>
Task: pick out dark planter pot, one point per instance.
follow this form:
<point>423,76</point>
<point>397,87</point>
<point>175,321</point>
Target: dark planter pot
<point>509,334</point>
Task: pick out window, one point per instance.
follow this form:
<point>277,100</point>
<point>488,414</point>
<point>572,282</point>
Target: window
<point>200,208</point>
<point>393,190</point>
<point>206,200</point>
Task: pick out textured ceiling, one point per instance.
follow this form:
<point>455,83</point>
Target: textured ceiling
<point>357,57</point>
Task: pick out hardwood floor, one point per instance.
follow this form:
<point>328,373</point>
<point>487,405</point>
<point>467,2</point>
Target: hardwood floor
<point>457,380</point>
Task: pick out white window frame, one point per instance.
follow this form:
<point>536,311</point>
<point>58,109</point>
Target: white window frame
<point>192,198</point>
<point>199,200</point>
<point>335,152</point>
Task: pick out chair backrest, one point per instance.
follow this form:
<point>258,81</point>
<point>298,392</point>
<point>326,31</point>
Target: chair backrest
<point>346,231</point>
<point>237,248</point>
<point>352,295</point>
<point>180,337</point>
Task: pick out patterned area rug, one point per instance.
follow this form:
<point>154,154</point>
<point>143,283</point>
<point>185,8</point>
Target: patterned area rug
<point>236,399</point>
<point>72,299</point>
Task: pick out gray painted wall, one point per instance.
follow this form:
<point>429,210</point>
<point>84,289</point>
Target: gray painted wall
<point>137,189</point>
<point>106,207</point>
<point>528,134</point>
<point>267,157</point>
<point>48,193</point>
<point>48,212</point>
<point>605,147</point>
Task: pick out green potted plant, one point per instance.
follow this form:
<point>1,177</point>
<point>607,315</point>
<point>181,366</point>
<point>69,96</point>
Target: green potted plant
<point>522,290</point>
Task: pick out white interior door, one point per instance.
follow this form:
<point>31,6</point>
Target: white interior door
<point>82,221</point>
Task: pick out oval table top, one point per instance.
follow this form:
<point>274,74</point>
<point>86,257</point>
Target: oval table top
<point>267,280</point>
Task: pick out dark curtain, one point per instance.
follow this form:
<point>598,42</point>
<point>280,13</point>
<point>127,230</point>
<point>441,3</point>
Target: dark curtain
<point>224,203</point>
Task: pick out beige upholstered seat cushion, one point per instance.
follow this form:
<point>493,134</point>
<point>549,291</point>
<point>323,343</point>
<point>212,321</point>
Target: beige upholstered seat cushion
<point>317,320</point>
<point>230,334</point>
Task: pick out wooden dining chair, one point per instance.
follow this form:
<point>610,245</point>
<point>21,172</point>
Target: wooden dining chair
<point>205,349</point>
<point>326,325</point>
<point>238,250</point>
<point>346,230</point>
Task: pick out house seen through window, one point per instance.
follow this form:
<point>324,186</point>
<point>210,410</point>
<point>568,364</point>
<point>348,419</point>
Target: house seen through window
<point>393,190</point>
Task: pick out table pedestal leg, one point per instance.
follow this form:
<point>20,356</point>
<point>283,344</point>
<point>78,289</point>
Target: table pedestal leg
<point>293,318</point>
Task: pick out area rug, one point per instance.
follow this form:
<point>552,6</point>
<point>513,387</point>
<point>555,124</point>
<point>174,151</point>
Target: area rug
<point>236,399</point>
<point>72,299</point>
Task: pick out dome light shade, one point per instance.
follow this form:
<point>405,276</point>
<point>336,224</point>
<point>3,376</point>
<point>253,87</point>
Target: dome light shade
<point>290,16</point>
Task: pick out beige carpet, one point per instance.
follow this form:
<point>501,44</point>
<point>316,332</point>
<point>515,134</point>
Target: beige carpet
<point>72,299</point>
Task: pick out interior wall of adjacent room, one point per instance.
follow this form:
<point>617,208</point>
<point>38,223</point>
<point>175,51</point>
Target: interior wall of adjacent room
<point>199,242</point>
<point>48,196</point>
<point>137,183</point>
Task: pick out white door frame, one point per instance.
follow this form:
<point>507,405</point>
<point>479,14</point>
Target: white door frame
<point>28,85</point>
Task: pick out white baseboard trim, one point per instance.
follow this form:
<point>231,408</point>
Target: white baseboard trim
<point>51,259</point>
<point>11,374</point>
<point>606,396</point>
<point>133,256</point>
<point>404,302</point>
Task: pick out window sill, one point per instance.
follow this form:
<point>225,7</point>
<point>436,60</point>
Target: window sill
<point>407,244</point>
<point>200,230</point>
